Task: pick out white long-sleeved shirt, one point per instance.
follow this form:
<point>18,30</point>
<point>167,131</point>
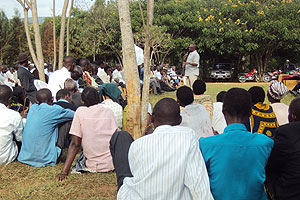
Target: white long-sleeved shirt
<point>166,164</point>
<point>57,80</point>
<point>218,119</point>
<point>11,126</point>
<point>117,75</point>
<point>197,118</point>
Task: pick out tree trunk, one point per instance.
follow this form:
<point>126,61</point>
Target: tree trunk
<point>54,37</point>
<point>62,34</point>
<point>38,42</point>
<point>131,72</point>
<point>146,81</point>
<point>30,46</point>
<point>68,27</point>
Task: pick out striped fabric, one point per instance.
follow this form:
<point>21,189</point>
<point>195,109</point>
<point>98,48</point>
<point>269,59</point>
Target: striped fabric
<point>166,165</point>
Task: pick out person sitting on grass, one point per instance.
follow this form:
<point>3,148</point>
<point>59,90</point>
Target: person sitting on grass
<point>40,135</point>
<point>236,159</point>
<point>199,88</point>
<point>283,169</point>
<point>92,128</point>
<point>11,127</point>
<point>110,93</point>
<point>276,92</point>
<point>64,100</point>
<point>263,119</point>
<point>166,164</point>
<point>194,115</point>
<point>71,86</point>
<point>218,119</point>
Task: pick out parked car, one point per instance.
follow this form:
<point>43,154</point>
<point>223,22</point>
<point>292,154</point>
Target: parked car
<point>222,71</point>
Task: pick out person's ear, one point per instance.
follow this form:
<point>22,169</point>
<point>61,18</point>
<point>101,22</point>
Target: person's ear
<point>179,120</point>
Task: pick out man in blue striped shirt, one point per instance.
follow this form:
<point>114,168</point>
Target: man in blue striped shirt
<point>236,159</point>
<point>166,164</point>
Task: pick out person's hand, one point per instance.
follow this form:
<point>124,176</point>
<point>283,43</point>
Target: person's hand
<point>61,176</point>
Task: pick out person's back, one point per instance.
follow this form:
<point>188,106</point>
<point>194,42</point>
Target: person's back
<point>166,164</point>
<point>218,119</point>
<point>199,87</point>
<point>179,144</point>
<point>41,132</point>
<point>11,127</point>
<point>283,169</point>
<point>236,159</point>
<point>194,115</point>
<point>263,119</point>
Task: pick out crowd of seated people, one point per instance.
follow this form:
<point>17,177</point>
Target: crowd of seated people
<point>240,147</point>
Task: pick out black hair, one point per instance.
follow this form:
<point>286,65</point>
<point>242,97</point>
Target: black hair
<point>184,96</point>
<point>44,95</point>
<point>257,94</point>
<point>199,87</point>
<point>84,62</point>
<point>107,67</point>
<point>295,108</point>
<point>90,96</point>
<point>5,94</point>
<point>62,93</point>
<point>167,111</point>
<point>237,103</point>
<point>220,96</point>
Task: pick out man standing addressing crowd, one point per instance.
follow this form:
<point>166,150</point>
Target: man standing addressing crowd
<point>191,66</point>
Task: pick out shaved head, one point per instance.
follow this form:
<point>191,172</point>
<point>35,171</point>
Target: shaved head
<point>5,94</point>
<point>44,96</point>
<point>69,63</point>
<point>294,110</point>
<point>166,112</point>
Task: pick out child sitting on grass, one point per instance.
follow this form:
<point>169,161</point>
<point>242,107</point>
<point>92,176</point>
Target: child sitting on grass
<point>199,87</point>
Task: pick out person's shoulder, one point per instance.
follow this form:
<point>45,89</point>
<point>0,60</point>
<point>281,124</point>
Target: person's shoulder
<point>212,139</point>
<point>14,114</point>
<point>262,140</point>
<point>288,128</point>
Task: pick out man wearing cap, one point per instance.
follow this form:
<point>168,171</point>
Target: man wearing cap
<point>26,78</point>
<point>276,92</point>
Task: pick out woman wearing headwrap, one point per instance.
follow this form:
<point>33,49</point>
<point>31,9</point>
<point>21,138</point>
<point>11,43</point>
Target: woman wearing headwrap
<point>276,92</point>
<point>109,94</point>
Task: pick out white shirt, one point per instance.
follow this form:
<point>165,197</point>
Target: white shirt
<point>218,119</point>
<point>157,75</point>
<point>13,76</point>
<point>191,70</point>
<point>103,76</point>
<point>282,112</point>
<point>10,125</point>
<point>117,75</point>
<point>166,164</point>
<point>117,110</point>
<point>139,53</point>
<point>57,80</point>
<point>197,118</point>
<point>4,80</point>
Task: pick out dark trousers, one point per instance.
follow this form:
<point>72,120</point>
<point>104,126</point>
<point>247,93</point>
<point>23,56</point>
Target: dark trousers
<point>119,147</point>
<point>63,139</point>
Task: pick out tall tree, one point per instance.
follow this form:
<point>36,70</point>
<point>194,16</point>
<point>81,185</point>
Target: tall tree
<point>37,54</point>
<point>4,34</point>
<point>68,27</point>
<point>147,62</point>
<point>54,36</point>
<point>62,34</point>
<point>133,124</point>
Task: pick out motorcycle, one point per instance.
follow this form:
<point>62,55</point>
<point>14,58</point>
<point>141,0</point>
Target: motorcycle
<point>271,76</point>
<point>250,76</point>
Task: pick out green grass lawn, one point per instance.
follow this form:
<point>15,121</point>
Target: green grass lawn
<point>19,181</point>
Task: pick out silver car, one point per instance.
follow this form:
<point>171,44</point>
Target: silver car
<point>222,71</point>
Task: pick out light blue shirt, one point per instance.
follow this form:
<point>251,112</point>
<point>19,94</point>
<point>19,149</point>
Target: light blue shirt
<point>235,162</point>
<point>40,134</point>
